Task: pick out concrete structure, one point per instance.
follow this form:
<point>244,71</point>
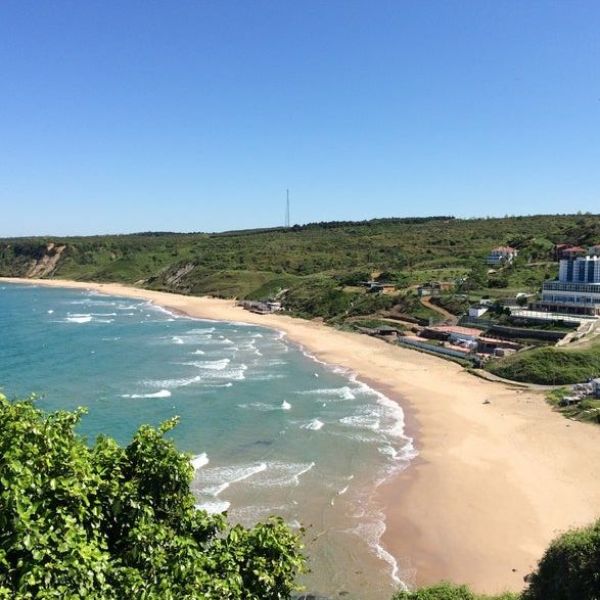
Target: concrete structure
<point>477,311</point>
<point>596,387</point>
<point>452,333</point>
<point>577,290</point>
<point>501,255</point>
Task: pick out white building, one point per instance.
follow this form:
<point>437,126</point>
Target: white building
<point>501,255</point>
<point>477,311</point>
<point>577,290</point>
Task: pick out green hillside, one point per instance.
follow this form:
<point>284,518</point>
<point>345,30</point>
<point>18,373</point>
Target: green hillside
<point>239,263</point>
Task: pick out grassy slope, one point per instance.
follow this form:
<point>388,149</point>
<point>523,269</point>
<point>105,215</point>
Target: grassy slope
<point>550,366</point>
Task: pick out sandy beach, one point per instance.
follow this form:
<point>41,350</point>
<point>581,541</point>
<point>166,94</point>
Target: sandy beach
<point>494,481</point>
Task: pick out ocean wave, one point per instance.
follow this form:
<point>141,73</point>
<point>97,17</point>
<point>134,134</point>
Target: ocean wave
<point>79,319</point>
<point>159,394</point>
<point>371,532</point>
<point>281,474</point>
<point>200,331</point>
<point>213,365</point>
<point>285,405</point>
<point>216,480</point>
<point>314,425</point>
<point>261,406</point>
<point>172,383</point>
<point>367,419</point>
<point>199,461</point>
<point>213,507</point>
<point>344,393</point>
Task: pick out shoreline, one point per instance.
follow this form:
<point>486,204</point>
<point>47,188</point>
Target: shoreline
<point>493,483</point>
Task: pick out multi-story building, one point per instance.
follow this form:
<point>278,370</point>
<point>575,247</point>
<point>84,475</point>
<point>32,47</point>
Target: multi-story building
<point>577,290</point>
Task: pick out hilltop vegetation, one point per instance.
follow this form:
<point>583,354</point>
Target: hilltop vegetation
<point>319,256</point>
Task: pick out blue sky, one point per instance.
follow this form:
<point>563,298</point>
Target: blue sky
<point>197,115</point>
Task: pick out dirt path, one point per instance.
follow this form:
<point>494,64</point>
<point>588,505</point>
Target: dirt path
<point>448,316</point>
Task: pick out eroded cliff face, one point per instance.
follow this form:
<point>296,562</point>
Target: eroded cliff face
<point>26,259</point>
<point>47,263</point>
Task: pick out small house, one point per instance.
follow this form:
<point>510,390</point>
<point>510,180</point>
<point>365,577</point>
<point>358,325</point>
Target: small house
<point>478,310</point>
<point>501,255</point>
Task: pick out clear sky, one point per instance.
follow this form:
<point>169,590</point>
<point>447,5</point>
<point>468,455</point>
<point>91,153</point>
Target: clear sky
<point>197,115</point>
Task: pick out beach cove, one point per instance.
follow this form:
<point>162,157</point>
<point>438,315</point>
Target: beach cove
<point>498,473</point>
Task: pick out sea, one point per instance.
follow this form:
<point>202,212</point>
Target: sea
<point>270,429</point>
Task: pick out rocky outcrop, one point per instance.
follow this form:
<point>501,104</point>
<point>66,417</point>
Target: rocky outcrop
<point>174,278</point>
<point>47,263</point>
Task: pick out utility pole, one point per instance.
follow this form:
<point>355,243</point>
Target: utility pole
<point>287,208</point>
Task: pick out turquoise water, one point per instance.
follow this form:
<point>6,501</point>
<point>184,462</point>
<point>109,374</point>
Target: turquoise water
<point>273,431</point>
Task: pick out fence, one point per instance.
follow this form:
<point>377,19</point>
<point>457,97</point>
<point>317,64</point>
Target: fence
<point>438,350</point>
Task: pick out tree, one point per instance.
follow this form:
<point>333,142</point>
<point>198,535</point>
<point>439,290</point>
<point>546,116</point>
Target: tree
<point>477,277</point>
<point>104,522</point>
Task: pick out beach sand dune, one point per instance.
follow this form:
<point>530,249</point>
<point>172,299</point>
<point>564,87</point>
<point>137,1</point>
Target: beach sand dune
<point>498,474</point>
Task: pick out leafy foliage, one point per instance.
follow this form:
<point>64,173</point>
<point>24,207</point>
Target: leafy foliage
<point>106,522</point>
<point>570,568</point>
<point>549,366</point>
<point>448,591</point>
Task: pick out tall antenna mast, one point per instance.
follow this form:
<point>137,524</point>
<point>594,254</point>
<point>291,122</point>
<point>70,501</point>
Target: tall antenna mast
<point>287,208</point>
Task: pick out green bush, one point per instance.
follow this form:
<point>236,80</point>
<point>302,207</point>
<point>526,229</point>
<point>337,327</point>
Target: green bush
<point>448,591</point>
<point>549,366</point>
<point>108,523</point>
<point>570,568</point>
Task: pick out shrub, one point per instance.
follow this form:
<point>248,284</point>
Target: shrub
<point>106,522</point>
<point>570,568</point>
<point>448,591</point>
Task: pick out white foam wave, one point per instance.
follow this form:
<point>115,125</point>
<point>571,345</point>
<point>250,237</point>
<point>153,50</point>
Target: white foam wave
<point>261,406</point>
<point>159,394</point>
<point>212,365</point>
<point>372,532</point>
<point>201,330</point>
<point>344,393</point>
<point>172,383</point>
<point>213,507</point>
<point>366,420</point>
<point>285,405</point>
<point>314,425</point>
<point>199,461</point>
<point>79,319</point>
<point>216,480</point>
<point>177,340</point>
